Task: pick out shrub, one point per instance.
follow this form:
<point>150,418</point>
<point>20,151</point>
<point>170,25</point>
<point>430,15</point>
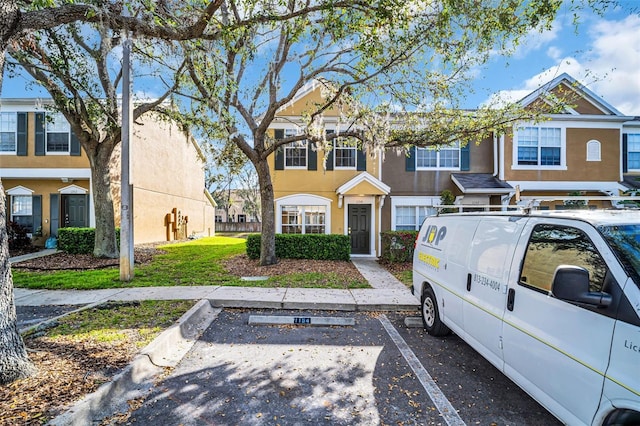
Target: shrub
<point>397,246</point>
<point>18,236</point>
<point>304,246</point>
<point>79,240</point>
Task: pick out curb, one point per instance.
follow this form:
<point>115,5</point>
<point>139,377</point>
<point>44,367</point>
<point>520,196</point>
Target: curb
<point>136,379</point>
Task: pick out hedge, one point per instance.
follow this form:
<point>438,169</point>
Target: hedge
<point>397,246</point>
<point>304,246</point>
<point>79,240</point>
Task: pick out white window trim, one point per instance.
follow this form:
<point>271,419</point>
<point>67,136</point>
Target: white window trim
<point>15,136</point>
<point>629,169</point>
<point>404,201</point>
<point>303,200</point>
<point>437,167</point>
<point>597,155</point>
<point>355,153</point>
<point>46,138</point>
<point>563,147</point>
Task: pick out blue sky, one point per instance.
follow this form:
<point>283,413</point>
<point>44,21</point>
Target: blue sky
<point>603,53</point>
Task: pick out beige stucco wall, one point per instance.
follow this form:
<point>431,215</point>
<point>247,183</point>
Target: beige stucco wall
<point>167,173</point>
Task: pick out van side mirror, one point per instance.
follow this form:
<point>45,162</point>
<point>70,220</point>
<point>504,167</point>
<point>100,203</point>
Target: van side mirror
<point>571,283</point>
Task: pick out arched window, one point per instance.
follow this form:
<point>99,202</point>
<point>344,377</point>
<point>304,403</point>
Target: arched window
<point>593,150</point>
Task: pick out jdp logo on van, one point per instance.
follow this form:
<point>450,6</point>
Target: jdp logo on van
<point>434,235</point>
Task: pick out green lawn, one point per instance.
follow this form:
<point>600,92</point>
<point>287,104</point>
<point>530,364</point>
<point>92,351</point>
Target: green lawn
<point>196,262</point>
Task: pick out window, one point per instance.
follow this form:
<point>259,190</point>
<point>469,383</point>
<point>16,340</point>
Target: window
<point>295,153</point>
<point>8,131</point>
<point>554,245</point>
<point>58,133</point>
<point>22,210</point>
<point>303,219</point>
<point>633,151</point>
<point>445,157</point>
<point>345,154</point>
<point>242,218</point>
<point>409,218</point>
<point>593,151</point>
<point>539,146</point>
<point>218,218</point>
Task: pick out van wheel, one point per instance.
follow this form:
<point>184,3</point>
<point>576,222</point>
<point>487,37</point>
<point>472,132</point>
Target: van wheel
<point>430,314</point>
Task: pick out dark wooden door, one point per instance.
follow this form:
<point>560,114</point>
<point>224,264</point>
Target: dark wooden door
<point>75,210</point>
<point>359,228</point>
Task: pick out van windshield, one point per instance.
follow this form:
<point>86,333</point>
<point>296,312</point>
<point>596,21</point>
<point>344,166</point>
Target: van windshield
<point>624,240</point>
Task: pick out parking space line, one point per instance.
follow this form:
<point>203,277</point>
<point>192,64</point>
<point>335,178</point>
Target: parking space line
<point>441,402</point>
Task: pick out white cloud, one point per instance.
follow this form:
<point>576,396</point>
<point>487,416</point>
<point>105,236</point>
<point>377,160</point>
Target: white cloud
<point>609,65</point>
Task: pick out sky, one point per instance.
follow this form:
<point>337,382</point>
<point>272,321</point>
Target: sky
<point>602,53</point>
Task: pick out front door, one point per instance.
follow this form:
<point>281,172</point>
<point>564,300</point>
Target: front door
<point>359,228</point>
<point>74,210</point>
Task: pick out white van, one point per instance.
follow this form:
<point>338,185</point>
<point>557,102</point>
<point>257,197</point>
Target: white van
<point>552,299</point>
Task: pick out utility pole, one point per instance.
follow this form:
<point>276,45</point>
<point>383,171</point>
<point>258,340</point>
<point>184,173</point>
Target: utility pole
<point>126,193</point>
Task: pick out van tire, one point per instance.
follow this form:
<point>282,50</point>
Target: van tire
<point>431,314</point>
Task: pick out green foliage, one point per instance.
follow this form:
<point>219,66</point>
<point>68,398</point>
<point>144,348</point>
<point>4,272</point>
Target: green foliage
<point>447,198</point>
<point>18,238</point>
<point>304,246</point>
<point>397,246</point>
<point>79,240</point>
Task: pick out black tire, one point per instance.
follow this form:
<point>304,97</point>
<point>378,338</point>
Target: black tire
<point>431,314</point>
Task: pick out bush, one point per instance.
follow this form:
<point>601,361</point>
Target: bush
<point>304,246</point>
<point>18,238</point>
<point>79,240</point>
<point>397,246</point>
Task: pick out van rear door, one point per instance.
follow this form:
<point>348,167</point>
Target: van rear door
<point>555,349</point>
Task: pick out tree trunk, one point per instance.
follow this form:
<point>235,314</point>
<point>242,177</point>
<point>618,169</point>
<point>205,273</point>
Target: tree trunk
<point>14,362</point>
<point>268,240</point>
<point>105,244</point>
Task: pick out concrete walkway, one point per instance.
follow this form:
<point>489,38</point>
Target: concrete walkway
<point>387,294</point>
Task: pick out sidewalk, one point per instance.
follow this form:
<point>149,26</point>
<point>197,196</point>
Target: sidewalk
<point>387,294</point>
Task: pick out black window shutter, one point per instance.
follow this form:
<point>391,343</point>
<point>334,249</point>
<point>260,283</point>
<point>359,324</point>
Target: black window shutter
<point>329,155</point>
<point>40,133</point>
<point>625,153</point>
<point>361,161</point>
<point>312,155</point>
<point>465,158</point>
<point>53,213</point>
<point>36,205</point>
<point>22,133</point>
<point>75,144</point>
<point>279,134</point>
<point>410,160</point>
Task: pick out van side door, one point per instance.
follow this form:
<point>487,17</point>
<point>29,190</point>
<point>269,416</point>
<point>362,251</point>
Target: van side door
<point>491,254</point>
<point>558,350</point>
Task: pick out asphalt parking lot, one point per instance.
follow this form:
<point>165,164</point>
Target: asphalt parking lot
<point>376,371</point>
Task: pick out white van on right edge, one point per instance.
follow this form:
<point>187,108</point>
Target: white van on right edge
<point>552,299</point>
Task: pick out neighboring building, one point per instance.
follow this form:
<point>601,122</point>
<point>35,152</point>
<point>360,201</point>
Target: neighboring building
<point>342,196</point>
<point>47,178</point>
<point>237,211</point>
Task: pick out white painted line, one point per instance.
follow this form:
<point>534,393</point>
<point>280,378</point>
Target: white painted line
<point>449,414</point>
<point>299,320</point>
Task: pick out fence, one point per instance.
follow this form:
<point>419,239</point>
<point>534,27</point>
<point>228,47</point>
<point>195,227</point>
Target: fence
<point>253,227</point>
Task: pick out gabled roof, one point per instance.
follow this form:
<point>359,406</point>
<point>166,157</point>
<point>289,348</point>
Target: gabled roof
<point>583,91</point>
<point>364,180</point>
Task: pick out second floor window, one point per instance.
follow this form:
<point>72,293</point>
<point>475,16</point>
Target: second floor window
<point>58,133</point>
<point>446,157</point>
<point>295,153</point>
<point>8,131</point>
<point>345,154</point>
<point>539,146</point>
<point>633,151</point>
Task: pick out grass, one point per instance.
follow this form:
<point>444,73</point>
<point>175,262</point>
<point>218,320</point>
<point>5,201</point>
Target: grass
<point>193,263</point>
<point>110,323</point>
<point>406,277</point>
